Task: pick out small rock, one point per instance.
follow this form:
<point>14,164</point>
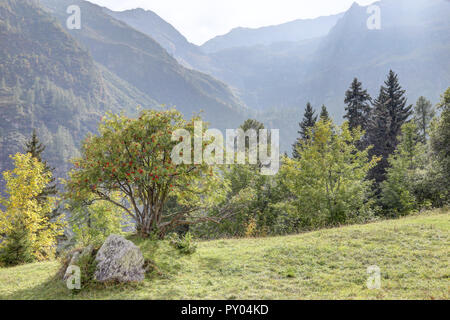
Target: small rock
<point>77,255</point>
<point>119,260</point>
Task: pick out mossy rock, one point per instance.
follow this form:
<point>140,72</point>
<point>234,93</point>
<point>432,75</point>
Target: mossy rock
<point>119,260</point>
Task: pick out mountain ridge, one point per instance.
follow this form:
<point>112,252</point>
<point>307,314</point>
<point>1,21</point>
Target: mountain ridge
<point>138,59</point>
<point>292,31</point>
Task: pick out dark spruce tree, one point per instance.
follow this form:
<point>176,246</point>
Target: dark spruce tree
<point>18,247</point>
<point>324,115</point>
<point>399,112</point>
<point>309,120</point>
<point>36,148</point>
<point>376,136</point>
<point>388,115</point>
<point>358,106</point>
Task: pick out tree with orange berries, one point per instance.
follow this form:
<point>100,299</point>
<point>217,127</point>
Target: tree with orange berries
<point>133,157</point>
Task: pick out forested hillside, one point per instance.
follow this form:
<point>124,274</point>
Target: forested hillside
<point>61,83</point>
<point>50,83</point>
<point>165,34</point>
<point>141,61</point>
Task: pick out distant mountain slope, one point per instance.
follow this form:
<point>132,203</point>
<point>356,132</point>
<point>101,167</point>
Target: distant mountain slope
<point>291,31</point>
<point>413,40</point>
<point>49,82</point>
<point>141,61</point>
<point>264,73</point>
<point>165,34</point>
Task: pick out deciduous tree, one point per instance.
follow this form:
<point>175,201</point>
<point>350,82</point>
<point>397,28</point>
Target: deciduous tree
<point>397,191</point>
<point>25,220</point>
<point>133,157</point>
<point>329,179</point>
<point>440,138</point>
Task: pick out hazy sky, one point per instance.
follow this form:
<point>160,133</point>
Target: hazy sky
<point>201,20</point>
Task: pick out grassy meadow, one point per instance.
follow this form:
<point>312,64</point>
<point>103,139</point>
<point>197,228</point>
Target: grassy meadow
<point>412,253</point>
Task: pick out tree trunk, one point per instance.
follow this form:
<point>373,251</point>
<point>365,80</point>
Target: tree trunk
<point>149,223</point>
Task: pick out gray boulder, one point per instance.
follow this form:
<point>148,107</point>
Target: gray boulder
<point>119,260</point>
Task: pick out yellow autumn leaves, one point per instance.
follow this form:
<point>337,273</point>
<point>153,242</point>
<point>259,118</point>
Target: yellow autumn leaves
<point>24,210</point>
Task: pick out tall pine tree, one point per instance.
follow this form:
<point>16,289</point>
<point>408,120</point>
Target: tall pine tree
<point>308,122</point>
<point>388,116</point>
<point>36,148</point>
<point>358,106</point>
<point>324,115</point>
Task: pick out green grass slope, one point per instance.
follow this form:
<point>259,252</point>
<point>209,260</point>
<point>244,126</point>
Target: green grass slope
<point>412,253</point>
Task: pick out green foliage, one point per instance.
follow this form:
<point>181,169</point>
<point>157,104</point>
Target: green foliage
<point>440,138</point>
<point>309,120</point>
<point>388,116</point>
<point>36,148</point>
<point>324,115</point>
<point>184,244</point>
<point>328,180</point>
<point>252,196</point>
<point>18,247</point>
<point>358,107</point>
<point>93,222</point>
<point>423,115</point>
<point>397,195</point>
<point>132,157</point>
<point>87,265</point>
<point>251,124</point>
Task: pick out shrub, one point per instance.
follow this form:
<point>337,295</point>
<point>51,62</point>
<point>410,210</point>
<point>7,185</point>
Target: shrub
<point>251,228</point>
<point>87,265</point>
<point>18,248</point>
<point>184,244</point>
